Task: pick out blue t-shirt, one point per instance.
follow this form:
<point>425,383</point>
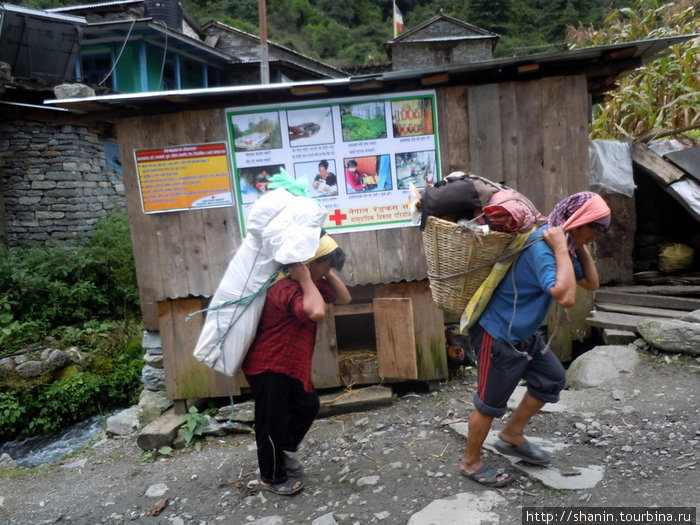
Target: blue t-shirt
<point>526,285</point>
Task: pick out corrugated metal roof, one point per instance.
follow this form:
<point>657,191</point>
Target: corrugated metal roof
<point>599,64</point>
<point>83,7</point>
<point>38,13</point>
<point>146,28</point>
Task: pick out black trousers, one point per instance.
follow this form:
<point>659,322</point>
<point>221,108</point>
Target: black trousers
<point>284,412</point>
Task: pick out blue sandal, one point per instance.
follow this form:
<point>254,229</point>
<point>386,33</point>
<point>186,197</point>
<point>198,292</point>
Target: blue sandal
<point>292,466</point>
<point>286,488</point>
<point>488,476</point>
<point>528,452</point>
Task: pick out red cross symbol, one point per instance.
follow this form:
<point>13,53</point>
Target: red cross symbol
<point>337,217</point>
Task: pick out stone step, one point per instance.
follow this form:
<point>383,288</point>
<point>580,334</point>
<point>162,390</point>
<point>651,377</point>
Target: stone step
<point>355,400</point>
<point>161,432</point>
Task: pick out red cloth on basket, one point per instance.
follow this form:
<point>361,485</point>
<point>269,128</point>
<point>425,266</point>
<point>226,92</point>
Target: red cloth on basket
<point>510,211</point>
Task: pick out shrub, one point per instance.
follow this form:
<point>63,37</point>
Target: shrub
<point>46,288</point>
<point>84,296</point>
<point>109,378</point>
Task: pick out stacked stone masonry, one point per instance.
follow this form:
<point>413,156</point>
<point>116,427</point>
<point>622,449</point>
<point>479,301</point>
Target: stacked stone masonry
<point>55,182</point>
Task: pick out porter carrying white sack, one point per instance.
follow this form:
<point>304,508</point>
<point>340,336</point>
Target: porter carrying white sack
<point>282,229</point>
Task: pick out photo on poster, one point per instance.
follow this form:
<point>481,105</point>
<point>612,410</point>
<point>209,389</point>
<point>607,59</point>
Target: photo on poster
<point>321,176</point>
<point>417,167</point>
<point>367,174</point>
<point>310,126</point>
<point>412,117</point>
<point>363,121</point>
<point>253,181</point>
<point>256,131</point>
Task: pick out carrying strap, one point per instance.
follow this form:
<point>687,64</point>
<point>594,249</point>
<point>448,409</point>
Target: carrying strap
<point>477,304</point>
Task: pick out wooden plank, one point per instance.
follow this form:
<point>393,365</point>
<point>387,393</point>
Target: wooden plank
<point>362,263</point>
<point>672,290</point>
<point>428,327</point>
<point>615,320</point>
<point>132,136</point>
<point>453,128</point>
<point>575,99</point>
<point>509,133</point>
<point>185,376</point>
<point>396,345</point>
<point>353,309</point>
<point>528,96</point>
<point>654,164</point>
<point>611,295</point>
<point>484,136</point>
<point>324,365</point>
<point>414,264</point>
<point>555,150</point>
<point>170,253</point>
<point>390,254</point>
<point>640,310</point>
<point>195,256</point>
<point>222,236</point>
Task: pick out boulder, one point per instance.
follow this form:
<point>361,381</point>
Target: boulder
<point>123,423</point>
<point>153,378</point>
<point>57,359</point>
<point>29,369</point>
<point>600,364</point>
<point>673,335</point>
<point>73,91</point>
<point>151,406</point>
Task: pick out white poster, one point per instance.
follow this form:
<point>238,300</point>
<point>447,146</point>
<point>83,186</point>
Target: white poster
<point>357,156</point>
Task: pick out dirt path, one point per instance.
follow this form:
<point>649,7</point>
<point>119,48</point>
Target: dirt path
<point>385,465</point>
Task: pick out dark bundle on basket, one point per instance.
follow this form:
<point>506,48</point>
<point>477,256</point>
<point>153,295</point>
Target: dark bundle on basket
<point>459,249</point>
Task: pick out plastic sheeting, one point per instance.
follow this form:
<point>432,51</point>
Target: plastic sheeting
<point>610,167</point>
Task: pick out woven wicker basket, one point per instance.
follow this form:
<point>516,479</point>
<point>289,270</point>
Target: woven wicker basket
<point>459,260</point>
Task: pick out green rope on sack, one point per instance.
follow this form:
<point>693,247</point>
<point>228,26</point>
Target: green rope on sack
<point>297,187</point>
<point>245,302</point>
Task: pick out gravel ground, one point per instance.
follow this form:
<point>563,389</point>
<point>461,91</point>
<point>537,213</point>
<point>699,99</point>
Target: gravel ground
<point>384,465</point>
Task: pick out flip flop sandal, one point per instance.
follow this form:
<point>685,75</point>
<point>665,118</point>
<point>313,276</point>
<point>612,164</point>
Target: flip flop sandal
<point>527,452</point>
<point>286,488</point>
<point>292,466</point>
<point>488,475</point>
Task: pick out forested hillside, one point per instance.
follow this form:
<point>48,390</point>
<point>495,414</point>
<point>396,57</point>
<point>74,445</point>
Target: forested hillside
<point>353,32</point>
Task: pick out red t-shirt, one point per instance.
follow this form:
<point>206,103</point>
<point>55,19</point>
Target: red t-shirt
<point>284,342</point>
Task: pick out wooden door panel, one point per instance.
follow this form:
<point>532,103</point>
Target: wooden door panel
<point>396,342</point>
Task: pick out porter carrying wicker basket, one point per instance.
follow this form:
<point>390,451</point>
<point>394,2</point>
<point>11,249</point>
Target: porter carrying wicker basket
<point>459,259</point>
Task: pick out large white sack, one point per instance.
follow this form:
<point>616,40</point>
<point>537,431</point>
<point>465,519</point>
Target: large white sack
<point>220,346</point>
<point>290,235</point>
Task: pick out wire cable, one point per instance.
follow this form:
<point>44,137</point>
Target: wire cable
<point>128,34</point>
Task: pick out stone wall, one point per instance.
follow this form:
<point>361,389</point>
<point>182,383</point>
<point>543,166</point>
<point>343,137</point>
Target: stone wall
<point>56,181</point>
<point>426,54</point>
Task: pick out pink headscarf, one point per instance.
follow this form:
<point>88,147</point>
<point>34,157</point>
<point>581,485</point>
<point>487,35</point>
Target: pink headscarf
<point>577,210</point>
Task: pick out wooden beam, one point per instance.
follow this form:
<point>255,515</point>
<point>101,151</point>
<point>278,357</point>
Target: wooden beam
<point>615,320</point>
<point>640,310</point>
<point>353,309</point>
<point>649,300</point>
<point>659,169</point>
<point>673,290</point>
